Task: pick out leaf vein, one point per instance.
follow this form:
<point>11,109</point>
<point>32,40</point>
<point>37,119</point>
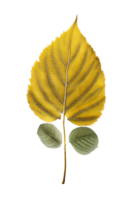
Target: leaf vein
<point>51,82</point>
<point>85,57</point>
<point>36,102</point>
<point>87,109</point>
<point>84,76</point>
<point>44,93</point>
<point>84,92</point>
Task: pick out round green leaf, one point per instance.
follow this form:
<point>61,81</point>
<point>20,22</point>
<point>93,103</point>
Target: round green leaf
<point>84,140</point>
<point>49,135</point>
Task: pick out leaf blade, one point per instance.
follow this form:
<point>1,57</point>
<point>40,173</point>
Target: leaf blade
<point>49,135</point>
<point>84,140</point>
<point>71,54</point>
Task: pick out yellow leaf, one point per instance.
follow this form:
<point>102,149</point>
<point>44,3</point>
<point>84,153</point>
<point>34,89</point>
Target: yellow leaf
<point>68,79</point>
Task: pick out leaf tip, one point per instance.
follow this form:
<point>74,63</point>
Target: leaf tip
<point>77,14</point>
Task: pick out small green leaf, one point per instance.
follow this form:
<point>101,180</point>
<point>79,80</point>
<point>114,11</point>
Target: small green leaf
<point>49,135</point>
<point>84,140</point>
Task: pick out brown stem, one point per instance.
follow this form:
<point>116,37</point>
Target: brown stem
<point>64,174</point>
